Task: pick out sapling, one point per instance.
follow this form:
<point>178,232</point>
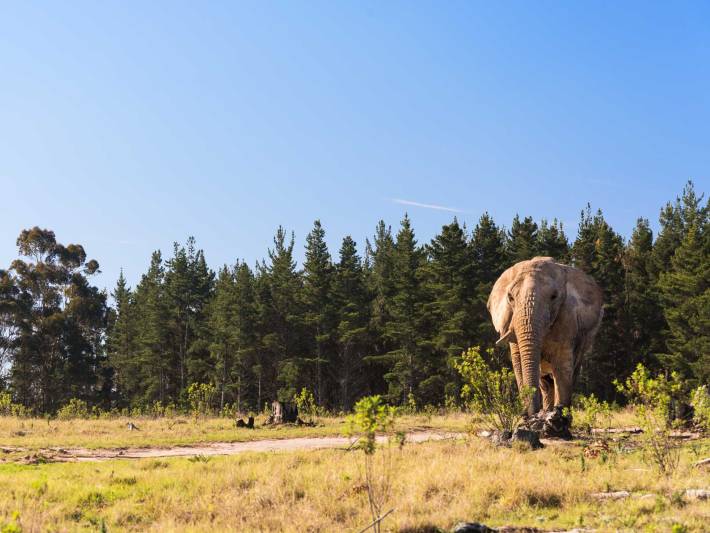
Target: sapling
<point>373,416</point>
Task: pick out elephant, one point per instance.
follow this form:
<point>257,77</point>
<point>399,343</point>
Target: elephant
<point>549,314</point>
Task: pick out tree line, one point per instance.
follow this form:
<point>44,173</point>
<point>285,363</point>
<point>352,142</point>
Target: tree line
<point>390,317</point>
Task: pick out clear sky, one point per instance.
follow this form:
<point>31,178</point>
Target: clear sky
<point>125,126</point>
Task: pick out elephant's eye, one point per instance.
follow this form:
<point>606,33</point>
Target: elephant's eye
<point>510,297</point>
<point>554,295</point>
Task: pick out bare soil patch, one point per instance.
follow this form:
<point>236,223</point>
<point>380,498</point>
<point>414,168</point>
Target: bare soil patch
<point>207,449</point>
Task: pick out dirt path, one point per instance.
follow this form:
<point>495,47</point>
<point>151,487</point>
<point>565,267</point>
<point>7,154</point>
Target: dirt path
<point>216,448</point>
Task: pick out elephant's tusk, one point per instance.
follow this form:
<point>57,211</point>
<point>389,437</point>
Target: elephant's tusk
<point>504,338</point>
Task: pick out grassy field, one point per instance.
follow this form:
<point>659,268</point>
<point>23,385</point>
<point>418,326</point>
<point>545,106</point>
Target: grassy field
<point>435,484</point>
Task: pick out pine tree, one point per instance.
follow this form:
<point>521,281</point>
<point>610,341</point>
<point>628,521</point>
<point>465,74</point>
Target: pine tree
<point>451,287</point>
<point>188,285</point>
<point>599,251</point>
<point>405,329</point>
<point>320,315</point>
<point>379,273</point>
<point>522,240</point>
<point>552,241</point>
<point>642,297</point>
<point>121,341</point>
<point>281,310</point>
<point>489,260</point>
<point>156,381</point>
<point>351,300</point>
<point>685,290</point>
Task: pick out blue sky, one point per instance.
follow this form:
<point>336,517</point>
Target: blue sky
<point>125,126</point>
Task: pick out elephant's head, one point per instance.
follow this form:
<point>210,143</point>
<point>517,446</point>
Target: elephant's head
<point>524,305</point>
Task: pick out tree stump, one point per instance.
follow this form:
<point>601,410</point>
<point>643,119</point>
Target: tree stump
<point>282,413</point>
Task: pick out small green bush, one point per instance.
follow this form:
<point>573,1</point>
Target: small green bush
<point>200,397</point>
<point>493,394</point>
<point>76,408</point>
<point>652,400</point>
<point>588,412</point>
<point>9,408</point>
<point>306,405</point>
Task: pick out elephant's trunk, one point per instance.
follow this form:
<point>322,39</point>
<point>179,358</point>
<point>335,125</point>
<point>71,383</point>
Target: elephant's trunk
<point>528,330</point>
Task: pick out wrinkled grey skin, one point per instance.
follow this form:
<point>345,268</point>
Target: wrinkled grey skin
<point>549,314</point>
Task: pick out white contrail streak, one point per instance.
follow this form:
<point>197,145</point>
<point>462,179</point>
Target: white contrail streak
<point>426,206</point>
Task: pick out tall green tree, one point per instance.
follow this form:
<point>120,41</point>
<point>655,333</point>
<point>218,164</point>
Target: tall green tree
<point>522,240</point>
<point>58,320</point>
<point>351,300</point>
<point>685,292</point>
<point>552,241</point>
<point>643,306</point>
<point>319,311</point>
<point>450,278</point>
<point>157,379</point>
<point>121,342</point>
<point>379,275</point>
<point>489,258</point>
<point>599,251</point>
<point>407,329</point>
<point>281,317</point>
<point>188,285</point>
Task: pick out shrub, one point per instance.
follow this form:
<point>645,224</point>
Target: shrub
<point>9,408</point>
<point>493,394</point>
<point>700,400</point>
<point>652,400</point>
<point>200,397</point>
<point>76,408</point>
<point>371,416</point>
<point>588,411</point>
<point>306,405</point>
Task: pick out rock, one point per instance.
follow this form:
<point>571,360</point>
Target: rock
<point>471,527</point>
<point>501,438</point>
<point>618,495</point>
<point>530,437</point>
<point>556,425</point>
<point>697,494</point>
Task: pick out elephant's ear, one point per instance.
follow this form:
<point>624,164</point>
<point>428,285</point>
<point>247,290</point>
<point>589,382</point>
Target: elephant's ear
<point>584,299</point>
<point>499,307</point>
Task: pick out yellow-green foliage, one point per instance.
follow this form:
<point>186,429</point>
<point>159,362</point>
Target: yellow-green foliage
<point>589,413</point>
<point>9,408</point>
<point>74,409</point>
<point>306,404</point>
<point>201,397</point>
<point>700,400</point>
<point>433,484</point>
<point>651,398</point>
<point>492,393</point>
<point>371,416</point>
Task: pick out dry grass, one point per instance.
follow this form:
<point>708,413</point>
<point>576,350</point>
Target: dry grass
<point>436,484</point>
